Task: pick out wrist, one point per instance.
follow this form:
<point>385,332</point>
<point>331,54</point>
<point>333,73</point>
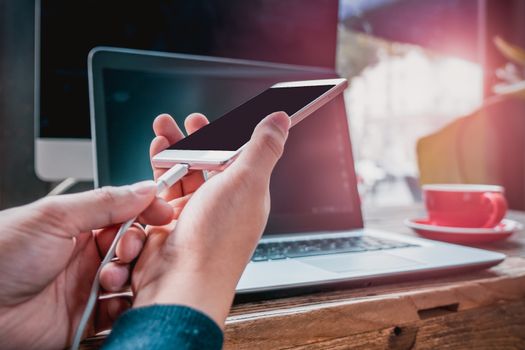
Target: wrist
<point>207,293</point>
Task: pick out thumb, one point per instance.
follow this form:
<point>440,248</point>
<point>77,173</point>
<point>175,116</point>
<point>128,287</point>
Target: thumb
<point>99,208</point>
<point>266,146</point>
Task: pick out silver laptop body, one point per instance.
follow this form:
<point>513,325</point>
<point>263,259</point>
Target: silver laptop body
<point>391,257</point>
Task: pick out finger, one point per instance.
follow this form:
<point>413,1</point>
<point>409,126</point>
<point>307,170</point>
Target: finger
<point>165,125</point>
<point>178,205</point>
<point>159,212</point>
<point>160,230</point>
<point>177,190</point>
<point>130,245</point>
<point>114,276</point>
<point>194,180</point>
<point>191,182</point>
<point>159,144</point>
<point>105,237</point>
<point>167,133</point>
<point>109,310</point>
<point>266,145</point>
<point>81,212</point>
<point>194,122</point>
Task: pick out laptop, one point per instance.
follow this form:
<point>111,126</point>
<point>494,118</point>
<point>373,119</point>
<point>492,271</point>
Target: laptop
<point>315,236</point>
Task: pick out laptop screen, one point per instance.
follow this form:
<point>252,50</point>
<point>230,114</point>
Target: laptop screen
<point>313,187</point>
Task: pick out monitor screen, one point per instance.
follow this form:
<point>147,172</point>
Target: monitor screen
<point>293,31</point>
<point>313,187</point>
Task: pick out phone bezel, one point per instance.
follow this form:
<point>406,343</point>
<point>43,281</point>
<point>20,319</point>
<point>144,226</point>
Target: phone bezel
<point>217,160</point>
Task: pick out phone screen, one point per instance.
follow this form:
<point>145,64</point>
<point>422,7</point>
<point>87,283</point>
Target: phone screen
<point>231,131</point>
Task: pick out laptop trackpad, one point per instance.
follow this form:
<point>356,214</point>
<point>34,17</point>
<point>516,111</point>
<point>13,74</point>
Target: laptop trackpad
<point>359,262</point>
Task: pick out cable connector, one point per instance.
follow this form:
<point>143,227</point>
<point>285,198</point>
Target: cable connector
<point>165,181</point>
<point>170,177</point>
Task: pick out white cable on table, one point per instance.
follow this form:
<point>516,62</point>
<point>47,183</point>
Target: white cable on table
<point>164,182</point>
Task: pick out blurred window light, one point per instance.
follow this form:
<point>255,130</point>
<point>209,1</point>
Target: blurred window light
<point>399,93</point>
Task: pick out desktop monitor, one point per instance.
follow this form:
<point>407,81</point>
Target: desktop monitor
<point>299,32</point>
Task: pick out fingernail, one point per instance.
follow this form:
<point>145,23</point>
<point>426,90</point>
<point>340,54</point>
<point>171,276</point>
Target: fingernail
<point>143,187</point>
<point>281,120</point>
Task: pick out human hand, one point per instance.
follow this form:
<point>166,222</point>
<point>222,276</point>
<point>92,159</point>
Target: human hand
<point>167,133</point>
<point>49,255</point>
<point>198,260</point>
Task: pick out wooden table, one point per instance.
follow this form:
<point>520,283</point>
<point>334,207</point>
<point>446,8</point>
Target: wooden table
<point>482,310</point>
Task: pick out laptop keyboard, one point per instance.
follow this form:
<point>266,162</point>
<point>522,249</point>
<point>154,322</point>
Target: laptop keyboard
<point>311,247</point>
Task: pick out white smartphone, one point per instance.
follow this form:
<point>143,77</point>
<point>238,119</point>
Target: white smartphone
<point>217,144</point>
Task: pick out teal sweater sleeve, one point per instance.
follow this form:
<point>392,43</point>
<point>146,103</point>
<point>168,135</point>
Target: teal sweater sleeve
<point>164,327</point>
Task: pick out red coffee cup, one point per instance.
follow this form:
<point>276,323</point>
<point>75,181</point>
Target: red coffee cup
<point>462,205</point>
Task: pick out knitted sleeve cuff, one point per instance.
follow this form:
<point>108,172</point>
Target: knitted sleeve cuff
<point>164,327</point>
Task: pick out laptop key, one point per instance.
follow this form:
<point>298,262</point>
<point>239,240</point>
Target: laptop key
<point>276,256</point>
<point>259,258</point>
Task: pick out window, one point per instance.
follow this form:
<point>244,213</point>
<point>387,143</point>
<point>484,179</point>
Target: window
<point>398,93</point>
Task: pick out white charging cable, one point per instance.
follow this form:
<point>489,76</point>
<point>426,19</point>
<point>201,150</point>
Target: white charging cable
<point>164,182</point>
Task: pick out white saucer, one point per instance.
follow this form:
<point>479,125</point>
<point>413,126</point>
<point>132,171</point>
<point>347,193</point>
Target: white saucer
<point>464,234</point>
